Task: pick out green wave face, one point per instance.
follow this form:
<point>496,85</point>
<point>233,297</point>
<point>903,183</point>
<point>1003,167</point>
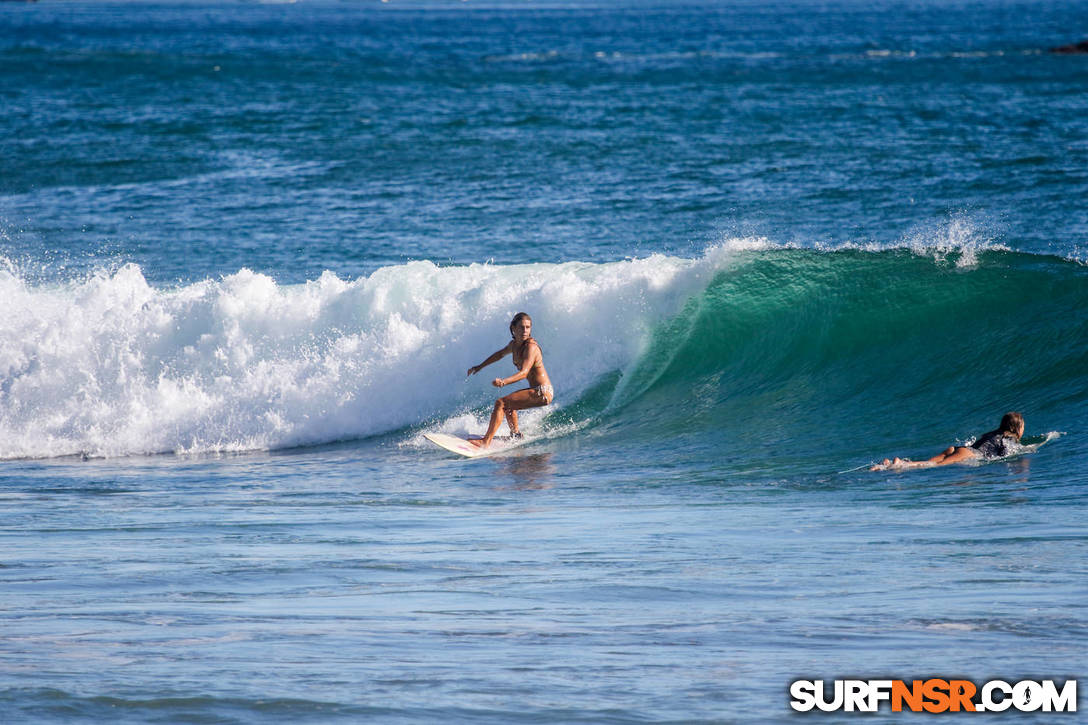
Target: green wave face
<point>815,350</point>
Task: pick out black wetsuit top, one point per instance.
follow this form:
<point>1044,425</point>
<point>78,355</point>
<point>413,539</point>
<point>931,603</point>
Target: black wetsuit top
<point>993,445</point>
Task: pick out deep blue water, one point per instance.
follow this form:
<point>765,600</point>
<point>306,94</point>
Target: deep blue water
<point>248,251</point>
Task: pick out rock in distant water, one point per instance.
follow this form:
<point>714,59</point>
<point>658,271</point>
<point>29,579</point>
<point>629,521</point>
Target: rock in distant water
<point>1074,49</point>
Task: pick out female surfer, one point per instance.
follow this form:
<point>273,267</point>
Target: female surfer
<point>995,444</point>
<point>530,364</point>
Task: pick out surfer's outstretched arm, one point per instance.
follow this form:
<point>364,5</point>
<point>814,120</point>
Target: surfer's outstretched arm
<point>493,358</point>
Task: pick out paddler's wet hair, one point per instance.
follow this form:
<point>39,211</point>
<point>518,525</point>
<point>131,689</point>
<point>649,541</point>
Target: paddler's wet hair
<point>1011,423</point>
<point>517,320</point>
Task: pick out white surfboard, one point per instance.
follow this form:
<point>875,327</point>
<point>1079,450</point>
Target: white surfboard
<point>466,449</point>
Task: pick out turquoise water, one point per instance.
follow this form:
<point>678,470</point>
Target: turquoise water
<point>248,251</point>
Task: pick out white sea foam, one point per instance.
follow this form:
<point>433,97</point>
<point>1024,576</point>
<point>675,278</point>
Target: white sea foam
<point>113,366</point>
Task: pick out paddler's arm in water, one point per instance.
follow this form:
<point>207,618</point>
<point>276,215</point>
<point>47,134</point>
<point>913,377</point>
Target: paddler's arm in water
<point>494,357</point>
<point>526,366</point>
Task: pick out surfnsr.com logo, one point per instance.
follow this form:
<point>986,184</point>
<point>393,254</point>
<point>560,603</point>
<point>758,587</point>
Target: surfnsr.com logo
<point>933,695</point>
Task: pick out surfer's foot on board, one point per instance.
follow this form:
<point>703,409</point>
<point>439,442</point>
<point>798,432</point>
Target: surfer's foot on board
<point>478,442</point>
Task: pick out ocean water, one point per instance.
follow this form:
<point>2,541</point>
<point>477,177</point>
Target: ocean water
<point>247,252</point>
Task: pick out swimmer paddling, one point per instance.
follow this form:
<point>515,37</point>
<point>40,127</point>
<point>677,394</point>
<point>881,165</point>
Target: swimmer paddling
<point>529,360</point>
<point>995,444</point>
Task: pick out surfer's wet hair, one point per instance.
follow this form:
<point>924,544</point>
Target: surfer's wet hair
<point>518,318</point>
<point>1011,423</point>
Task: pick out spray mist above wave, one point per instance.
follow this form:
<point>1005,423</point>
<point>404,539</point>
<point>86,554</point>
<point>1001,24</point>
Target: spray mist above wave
<point>112,366</point>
